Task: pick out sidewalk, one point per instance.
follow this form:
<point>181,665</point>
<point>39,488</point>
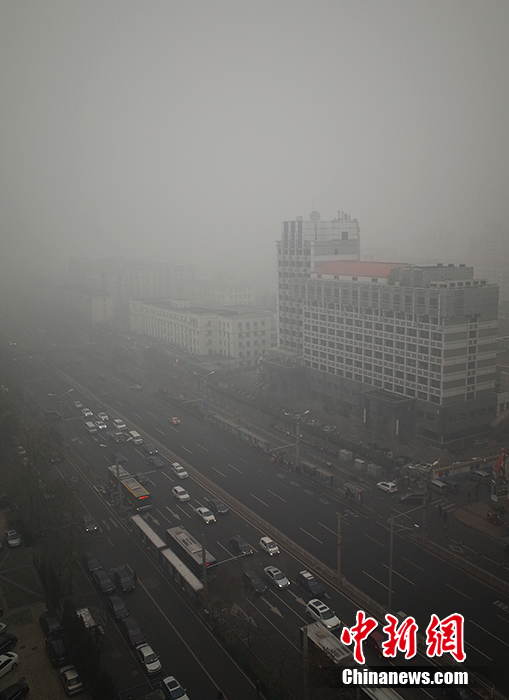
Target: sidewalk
<point>475,515</point>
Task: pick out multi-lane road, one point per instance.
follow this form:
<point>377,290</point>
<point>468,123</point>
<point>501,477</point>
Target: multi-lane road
<point>422,584</point>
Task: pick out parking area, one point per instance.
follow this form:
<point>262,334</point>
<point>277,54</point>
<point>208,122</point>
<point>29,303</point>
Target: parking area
<point>22,600</point>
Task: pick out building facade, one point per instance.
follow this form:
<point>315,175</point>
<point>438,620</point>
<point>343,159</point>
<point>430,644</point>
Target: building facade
<point>238,335</point>
<point>408,349</point>
<point>304,245</point>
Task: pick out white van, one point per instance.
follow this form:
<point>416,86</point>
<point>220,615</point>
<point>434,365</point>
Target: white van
<point>135,437</point>
<point>91,427</point>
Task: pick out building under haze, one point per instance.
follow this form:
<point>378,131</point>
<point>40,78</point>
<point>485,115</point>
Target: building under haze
<point>303,246</point>
<point>404,348</point>
<point>124,279</point>
<point>238,335</point>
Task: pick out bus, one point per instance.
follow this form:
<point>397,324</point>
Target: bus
<point>133,492</point>
<point>176,569</point>
<point>189,551</point>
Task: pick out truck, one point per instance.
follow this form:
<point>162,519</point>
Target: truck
<point>93,618</point>
<point>135,437</point>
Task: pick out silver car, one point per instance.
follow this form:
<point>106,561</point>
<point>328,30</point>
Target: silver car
<point>276,577</point>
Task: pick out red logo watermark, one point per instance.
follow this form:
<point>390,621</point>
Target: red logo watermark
<point>442,636</point>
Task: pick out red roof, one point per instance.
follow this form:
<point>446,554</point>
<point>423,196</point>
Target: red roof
<point>357,268</point>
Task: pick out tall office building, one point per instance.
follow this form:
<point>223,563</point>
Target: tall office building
<point>303,246</point>
<point>406,348</point>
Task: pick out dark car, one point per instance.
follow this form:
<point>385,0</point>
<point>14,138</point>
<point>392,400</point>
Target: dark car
<point>50,623</point>
<point>156,462</point>
<point>117,607</point>
<point>91,563</point>
<point>16,691</point>
<point>240,546</point>
<point>150,448</point>
<point>57,649</point>
<point>125,578</point>
<point>103,582</point>
<point>216,506</point>
<point>117,457</point>
<point>412,498</point>
<point>132,632</point>
<point>254,582</point>
<point>89,524</point>
<point>141,478</point>
<point>7,642</point>
<point>310,584</point>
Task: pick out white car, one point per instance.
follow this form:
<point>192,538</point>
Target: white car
<point>277,577</point>
<point>101,424</point>
<point>269,546</point>
<point>70,680</point>
<point>179,470</point>
<point>78,404</point>
<point>173,689</point>
<point>388,486</point>
<point>329,429</point>
<point>87,412</point>
<point>13,539</point>
<point>204,513</point>
<point>103,416</point>
<point>180,493</point>
<point>8,662</point>
<point>321,612</point>
<point>119,424</point>
<point>148,659</point>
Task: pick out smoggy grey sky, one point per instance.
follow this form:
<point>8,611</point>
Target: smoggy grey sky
<point>189,130</point>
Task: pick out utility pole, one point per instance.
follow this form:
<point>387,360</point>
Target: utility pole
<point>305,663</point>
<point>339,545</point>
<point>391,552</point>
<point>297,448</point>
<point>204,565</point>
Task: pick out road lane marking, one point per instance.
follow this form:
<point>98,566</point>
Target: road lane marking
<point>400,575</point>
<point>375,580</point>
<point>224,448</point>
<point>244,460</point>
<point>151,414</point>
<point>277,496</point>
<point>375,541</point>
<point>414,564</point>
<point>175,515</point>
<point>456,590</point>
<point>163,515</point>
<point>184,511</point>
<point>478,651</point>
<point>491,635</point>
<point>217,470</point>
<point>160,431</point>
<point>168,477</point>
<point>185,448</point>
<point>327,528</point>
<point>308,533</point>
<point>259,499</point>
<point>203,448</point>
<point>172,428</point>
<point>237,470</point>
<point>120,404</point>
<point>138,416</point>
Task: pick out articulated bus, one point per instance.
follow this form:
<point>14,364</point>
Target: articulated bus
<point>166,557</point>
<point>189,551</point>
<point>132,491</point>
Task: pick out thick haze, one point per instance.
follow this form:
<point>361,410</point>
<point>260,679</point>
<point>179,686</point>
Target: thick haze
<point>188,131</point>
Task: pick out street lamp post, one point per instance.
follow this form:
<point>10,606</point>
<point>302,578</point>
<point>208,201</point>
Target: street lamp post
<point>297,449</point>
<point>391,547</point>
<point>205,382</point>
